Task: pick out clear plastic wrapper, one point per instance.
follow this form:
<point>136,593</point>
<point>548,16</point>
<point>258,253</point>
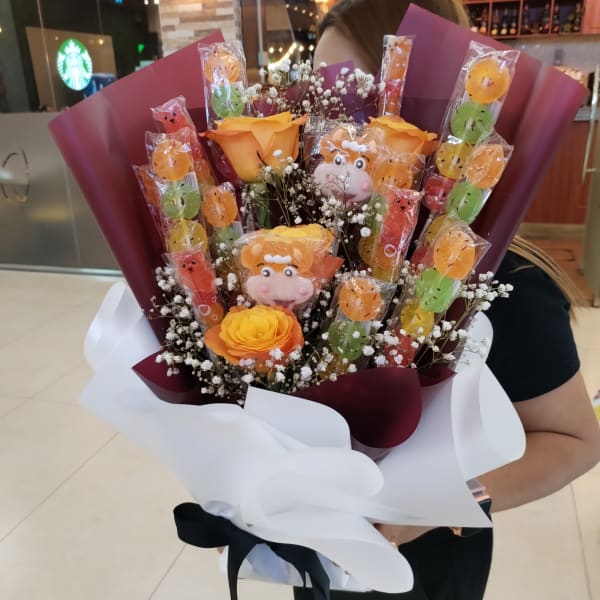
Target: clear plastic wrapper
<point>224,70</point>
<point>396,54</point>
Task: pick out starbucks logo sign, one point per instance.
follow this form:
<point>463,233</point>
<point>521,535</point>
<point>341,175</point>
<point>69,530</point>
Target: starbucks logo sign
<point>74,64</point>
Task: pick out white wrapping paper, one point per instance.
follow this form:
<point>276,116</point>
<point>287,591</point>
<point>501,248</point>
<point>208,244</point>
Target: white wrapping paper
<point>283,469</point>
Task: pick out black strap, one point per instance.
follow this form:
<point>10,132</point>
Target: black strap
<point>199,528</point>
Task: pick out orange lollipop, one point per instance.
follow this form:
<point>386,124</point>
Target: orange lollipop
<point>398,53</point>
<point>485,165</point>
<point>211,314</point>
<point>171,160</point>
<point>434,228</point>
<point>450,158</point>
<point>219,206</point>
<point>488,79</point>
<point>221,66</point>
<point>360,299</point>
<point>454,253</point>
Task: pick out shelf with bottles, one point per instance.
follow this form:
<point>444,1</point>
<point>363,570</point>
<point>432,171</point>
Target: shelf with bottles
<point>502,19</point>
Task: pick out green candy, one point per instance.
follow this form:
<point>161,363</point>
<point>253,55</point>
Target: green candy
<point>226,236</point>
<point>465,201</point>
<point>435,291</point>
<point>472,122</point>
<point>227,101</point>
<point>180,201</point>
<point>347,339</point>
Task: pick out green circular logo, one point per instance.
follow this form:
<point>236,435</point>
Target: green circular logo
<point>74,64</point>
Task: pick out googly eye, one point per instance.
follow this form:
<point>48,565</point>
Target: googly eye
<point>289,271</point>
<point>360,163</point>
<point>339,160</point>
<point>267,272</point>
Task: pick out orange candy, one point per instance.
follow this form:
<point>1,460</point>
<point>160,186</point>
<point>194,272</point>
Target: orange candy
<point>222,66</point>
<point>454,253</point>
<point>485,165</point>
<point>450,158</point>
<point>211,314</point>
<point>488,79</point>
<point>360,299</point>
<point>219,206</point>
<point>171,160</point>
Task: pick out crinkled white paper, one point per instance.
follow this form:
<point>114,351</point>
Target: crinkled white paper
<point>283,469</point>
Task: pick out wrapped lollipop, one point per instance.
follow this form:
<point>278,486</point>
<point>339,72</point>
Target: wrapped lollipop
<point>473,109</point>
<point>177,188</point>
<point>360,300</point>
<point>392,216</point>
<point>396,53</point>
<point>224,69</point>
<point>196,274</point>
<point>286,266</point>
<point>453,252</point>
<point>348,157</point>
<point>171,116</point>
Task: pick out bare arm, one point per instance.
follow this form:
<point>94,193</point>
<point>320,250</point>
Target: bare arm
<point>563,442</point>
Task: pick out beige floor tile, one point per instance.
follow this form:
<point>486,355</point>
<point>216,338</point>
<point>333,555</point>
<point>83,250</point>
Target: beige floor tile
<point>106,534</point>
<point>68,388</point>
<point>196,574</point>
<point>42,444</point>
<point>537,552</point>
<point>587,500</point>
<point>39,358</point>
<point>590,368</point>
<point>9,403</point>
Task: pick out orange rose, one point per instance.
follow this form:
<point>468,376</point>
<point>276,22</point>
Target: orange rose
<point>253,332</point>
<point>249,142</point>
<point>402,136</point>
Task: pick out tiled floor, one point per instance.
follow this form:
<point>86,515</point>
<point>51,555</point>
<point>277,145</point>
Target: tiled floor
<point>85,514</point>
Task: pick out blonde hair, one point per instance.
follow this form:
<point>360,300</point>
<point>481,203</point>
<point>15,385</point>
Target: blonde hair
<point>537,257</point>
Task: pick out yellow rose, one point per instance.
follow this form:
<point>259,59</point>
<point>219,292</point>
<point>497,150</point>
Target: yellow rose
<point>249,142</point>
<point>253,332</point>
<point>402,136</point>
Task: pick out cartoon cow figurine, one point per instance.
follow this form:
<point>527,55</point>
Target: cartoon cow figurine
<point>348,160</point>
<point>279,271</point>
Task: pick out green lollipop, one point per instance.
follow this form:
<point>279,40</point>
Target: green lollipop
<point>180,201</point>
<point>472,122</point>
<point>435,291</point>
<point>465,201</point>
<point>347,339</point>
<point>227,101</point>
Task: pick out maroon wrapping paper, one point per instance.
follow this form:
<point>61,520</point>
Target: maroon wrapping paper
<point>537,111</point>
<point>103,136</point>
<point>376,417</point>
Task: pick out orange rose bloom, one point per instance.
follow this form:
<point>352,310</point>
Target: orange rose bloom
<point>253,332</point>
<point>402,136</point>
<point>249,142</point>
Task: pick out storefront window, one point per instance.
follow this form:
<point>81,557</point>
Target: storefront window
<point>55,53</point>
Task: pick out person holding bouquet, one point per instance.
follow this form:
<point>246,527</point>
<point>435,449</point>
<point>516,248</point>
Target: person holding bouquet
<point>533,356</point>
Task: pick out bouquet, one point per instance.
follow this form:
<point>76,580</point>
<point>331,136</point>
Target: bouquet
<point>312,372</point>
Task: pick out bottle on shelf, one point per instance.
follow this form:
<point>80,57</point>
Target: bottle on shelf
<point>495,27</point>
<point>504,23</point>
<point>577,19</point>
<point>514,19</point>
<point>483,26</point>
<point>525,25</point>
<point>556,19</point>
<point>546,19</point>
<point>475,19</point>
